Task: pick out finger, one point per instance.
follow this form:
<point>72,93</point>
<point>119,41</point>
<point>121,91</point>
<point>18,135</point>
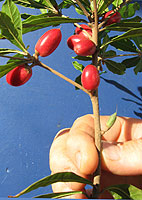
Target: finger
<point>123,158</point>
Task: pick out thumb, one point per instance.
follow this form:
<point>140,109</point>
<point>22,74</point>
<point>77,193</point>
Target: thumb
<point>122,158</point>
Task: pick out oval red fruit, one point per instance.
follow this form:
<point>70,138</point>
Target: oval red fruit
<point>72,41</point>
<point>18,76</point>
<point>48,42</point>
<point>81,33</point>
<point>115,18</point>
<point>85,47</point>
<point>81,45</point>
<point>90,78</point>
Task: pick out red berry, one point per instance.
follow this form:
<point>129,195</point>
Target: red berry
<point>73,40</point>
<point>48,42</point>
<point>18,76</point>
<point>90,78</point>
<point>81,45</point>
<point>79,31</point>
<point>115,18</point>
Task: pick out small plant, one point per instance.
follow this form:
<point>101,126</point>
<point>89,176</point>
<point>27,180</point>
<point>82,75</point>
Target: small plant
<point>90,42</point>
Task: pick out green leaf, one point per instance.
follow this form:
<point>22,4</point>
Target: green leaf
<point>124,26</point>
<point>125,191</point>
<point>84,58</point>
<point>131,62</point>
<point>9,31</point>
<point>78,80</point>
<point>31,3</point>
<point>58,177</point>
<point>111,120</point>
<point>36,22</point>
<point>59,195</point>
<point>129,10</point>
<point>134,19</point>
<point>125,45</point>
<point>66,4</point>
<point>116,68</point>
<point>78,66</point>
<point>104,5</point>
<point>138,67</point>
<point>7,51</point>
<point>10,9</point>
<point>4,69</point>
<point>135,32</point>
<point>138,42</point>
<point>116,3</point>
<point>109,54</point>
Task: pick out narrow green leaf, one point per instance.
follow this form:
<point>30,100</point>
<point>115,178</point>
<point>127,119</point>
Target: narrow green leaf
<point>36,22</point>
<point>116,3</point>
<point>78,66</point>
<point>125,45</point>
<point>135,32</point>
<point>66,4</point>
<point>4,69</point>
<point>109,54</point>
<point>78,80</point>
<point>58,177</point>
<point>116,68</point>
<point>84,58</point>
<point>138,42</point>
<point>31,3</point>
<point>7,51</point>
<point>133,19</point>
<point>123,26</point>
<point>111,120</point>
<point>125,191</point>
<point>104,6</point>
<point>10,9</point>
<point>138,67</point>
<point>131,62</point>
<point>58,195</point>
<point>9,31</point>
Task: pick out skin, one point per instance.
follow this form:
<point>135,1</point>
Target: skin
<point>74,150</point>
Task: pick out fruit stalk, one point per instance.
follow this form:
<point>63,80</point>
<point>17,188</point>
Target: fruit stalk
<point>95,105</point>
<point>62,76</point>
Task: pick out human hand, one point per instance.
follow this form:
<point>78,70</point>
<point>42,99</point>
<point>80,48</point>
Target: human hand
<point>74,150</point>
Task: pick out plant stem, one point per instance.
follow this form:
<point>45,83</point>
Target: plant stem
<point>16,58</point>
<point>95,105</point>
<point>62,76</point>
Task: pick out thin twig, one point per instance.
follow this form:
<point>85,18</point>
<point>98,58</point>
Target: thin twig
<point>16,58</point>
<point>83,9</point>
<point>62,76</point>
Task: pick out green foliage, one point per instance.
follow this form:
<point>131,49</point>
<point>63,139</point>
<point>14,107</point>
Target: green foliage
<point>58,177</point>
<point>125,191</point>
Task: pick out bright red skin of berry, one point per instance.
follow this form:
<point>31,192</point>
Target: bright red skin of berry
<point>18,76</point>
<point>48,42</point>
<point>78,31</point>
<point>90,78</point>
<point>81,45</point>
<point>115,18</point>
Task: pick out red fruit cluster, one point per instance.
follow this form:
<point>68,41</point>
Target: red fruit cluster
<point>48,42</point>
<point>80,42</point>
<point>90,78</point>
<point>19,75</point>
<point>115,18</point>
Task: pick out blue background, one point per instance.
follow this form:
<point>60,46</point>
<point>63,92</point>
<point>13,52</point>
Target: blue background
<point>31,115</point>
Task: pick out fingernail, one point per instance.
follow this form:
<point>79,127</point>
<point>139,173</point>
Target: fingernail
<point>111,151</point>
<point>78,159</point>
